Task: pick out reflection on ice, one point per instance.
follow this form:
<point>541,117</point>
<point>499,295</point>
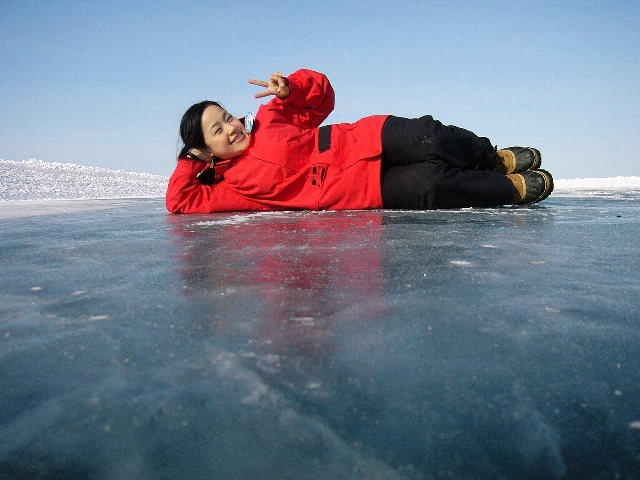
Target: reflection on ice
<point>479,343</point>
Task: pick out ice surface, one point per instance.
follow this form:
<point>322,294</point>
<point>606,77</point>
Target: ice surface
<point>474,343</point>
<point>477,343</point>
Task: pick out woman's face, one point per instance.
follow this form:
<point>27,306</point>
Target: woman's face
<point>224,134</point>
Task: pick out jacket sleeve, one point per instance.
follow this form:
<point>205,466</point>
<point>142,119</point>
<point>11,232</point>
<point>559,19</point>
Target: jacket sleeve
<point>185,194</point>
<point>310,101</point>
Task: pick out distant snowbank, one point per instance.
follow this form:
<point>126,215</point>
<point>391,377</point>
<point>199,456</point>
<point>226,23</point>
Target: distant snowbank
<point>611,187</point>
<point>37,180</point>
<point>610,183</point>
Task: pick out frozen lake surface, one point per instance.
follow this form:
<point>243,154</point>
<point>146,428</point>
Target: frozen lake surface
<point>468,344</point>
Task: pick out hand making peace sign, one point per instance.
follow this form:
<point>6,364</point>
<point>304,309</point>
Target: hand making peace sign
<point>277,85</point>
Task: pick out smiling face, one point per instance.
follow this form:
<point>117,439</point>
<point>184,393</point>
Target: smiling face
<point>224,134</point>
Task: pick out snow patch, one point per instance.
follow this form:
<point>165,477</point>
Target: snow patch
<point>37,180</point>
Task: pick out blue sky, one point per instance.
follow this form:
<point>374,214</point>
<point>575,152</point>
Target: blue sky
<point>106,83</point>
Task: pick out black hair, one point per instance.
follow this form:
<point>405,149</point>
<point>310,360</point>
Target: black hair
<point>191,127</point>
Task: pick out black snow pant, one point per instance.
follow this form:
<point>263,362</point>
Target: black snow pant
<point>427,165</point>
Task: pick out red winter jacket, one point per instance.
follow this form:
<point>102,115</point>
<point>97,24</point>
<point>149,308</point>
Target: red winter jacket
<point>290,163</point>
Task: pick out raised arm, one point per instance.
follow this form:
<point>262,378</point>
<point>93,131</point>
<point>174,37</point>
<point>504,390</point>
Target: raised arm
<point>305,98</point>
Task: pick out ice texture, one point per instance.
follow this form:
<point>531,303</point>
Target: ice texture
<point>497,343</point>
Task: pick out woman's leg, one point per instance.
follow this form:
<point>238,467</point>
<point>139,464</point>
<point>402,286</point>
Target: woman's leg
<point>428,186</point>
<point>406,141</point>
<point>428,165</point>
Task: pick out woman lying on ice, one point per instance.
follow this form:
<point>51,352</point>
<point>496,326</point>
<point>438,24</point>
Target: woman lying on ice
<point>285,161</point>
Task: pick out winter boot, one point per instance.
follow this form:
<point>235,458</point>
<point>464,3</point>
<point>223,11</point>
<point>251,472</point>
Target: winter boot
<point>532,186</point>
<point>518,159</point>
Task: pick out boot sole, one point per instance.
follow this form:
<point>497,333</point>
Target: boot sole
<point>548,184</point>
